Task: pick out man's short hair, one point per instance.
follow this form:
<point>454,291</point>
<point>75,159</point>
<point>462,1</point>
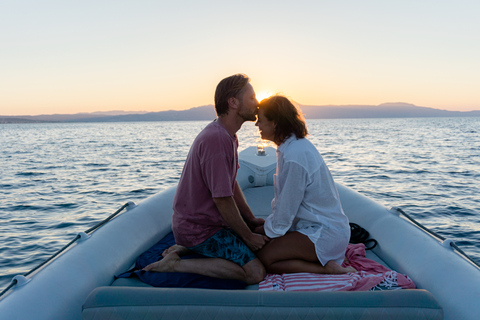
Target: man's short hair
<point>227,88</point>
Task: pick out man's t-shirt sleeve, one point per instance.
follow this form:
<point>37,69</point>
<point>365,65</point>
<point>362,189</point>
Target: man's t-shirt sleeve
<point>218,173</point>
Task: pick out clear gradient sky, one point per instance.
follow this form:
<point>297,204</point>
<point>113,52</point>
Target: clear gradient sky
<point>98,55</point>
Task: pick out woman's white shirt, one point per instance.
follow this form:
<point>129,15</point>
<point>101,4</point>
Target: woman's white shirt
<point>306,200</point>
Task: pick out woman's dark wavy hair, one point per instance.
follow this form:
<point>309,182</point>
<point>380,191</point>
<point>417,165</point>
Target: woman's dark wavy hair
<point>287,118</point>
<point>227,88</point>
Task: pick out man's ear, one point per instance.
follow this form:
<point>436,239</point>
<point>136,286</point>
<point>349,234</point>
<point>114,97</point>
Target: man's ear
<point>233,102</point>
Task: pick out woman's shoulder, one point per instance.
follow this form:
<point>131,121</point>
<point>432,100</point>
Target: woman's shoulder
<point>301,151</point>
<point>299,146</point>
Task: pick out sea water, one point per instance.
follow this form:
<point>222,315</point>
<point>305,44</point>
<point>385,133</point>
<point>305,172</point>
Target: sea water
<point>58,179</point>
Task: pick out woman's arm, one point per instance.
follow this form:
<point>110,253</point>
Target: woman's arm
<point>291,185</point>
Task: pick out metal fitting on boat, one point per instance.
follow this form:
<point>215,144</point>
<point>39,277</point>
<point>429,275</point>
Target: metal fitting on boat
<point>396,211</point>
<point>448,243</point>
<point>83,236</point>
<point>20,280</point>
<point>130,205</point>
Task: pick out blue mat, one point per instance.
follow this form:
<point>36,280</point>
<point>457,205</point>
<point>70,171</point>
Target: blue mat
<point>175,279</point>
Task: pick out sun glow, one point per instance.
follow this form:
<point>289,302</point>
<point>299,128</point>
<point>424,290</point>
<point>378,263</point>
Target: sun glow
<point>263,95</point>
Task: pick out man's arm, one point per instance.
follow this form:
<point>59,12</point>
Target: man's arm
<point>245,210</point>
<point>231,214</point>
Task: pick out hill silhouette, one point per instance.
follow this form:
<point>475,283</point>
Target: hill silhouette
<point>385,110</point>
<point>207,112</point>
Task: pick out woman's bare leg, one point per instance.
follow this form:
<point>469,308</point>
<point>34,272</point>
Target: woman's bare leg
<point>294,252</point>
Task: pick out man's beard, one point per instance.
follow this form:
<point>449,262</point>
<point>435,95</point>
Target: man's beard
<point>246,115</point>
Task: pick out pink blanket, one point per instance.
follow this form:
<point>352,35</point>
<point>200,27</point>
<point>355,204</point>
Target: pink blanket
<point>370,276</point>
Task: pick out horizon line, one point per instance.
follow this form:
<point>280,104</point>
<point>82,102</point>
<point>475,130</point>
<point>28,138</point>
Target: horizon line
<point>398,104</point>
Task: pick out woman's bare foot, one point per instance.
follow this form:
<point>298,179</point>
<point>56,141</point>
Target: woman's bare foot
<point>333,267</point>
<point>167,264</point>
<point>180,250</point>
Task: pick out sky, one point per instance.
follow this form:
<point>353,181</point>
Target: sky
<point>98,55</point>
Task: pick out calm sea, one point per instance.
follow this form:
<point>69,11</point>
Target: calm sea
<point>60,179</point>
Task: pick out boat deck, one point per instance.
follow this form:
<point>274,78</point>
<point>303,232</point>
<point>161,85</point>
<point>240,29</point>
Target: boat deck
<point>132,299</point>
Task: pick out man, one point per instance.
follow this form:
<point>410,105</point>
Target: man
<point>211,216</point>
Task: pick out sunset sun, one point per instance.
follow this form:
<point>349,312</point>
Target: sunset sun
<point>263,94</point>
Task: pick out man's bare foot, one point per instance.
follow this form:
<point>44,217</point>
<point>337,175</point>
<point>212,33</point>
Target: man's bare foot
<point>180,250</point>
<point>333,267</point>
<point>167,264</point>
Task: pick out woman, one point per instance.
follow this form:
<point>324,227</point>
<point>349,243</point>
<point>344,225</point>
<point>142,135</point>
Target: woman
<point>308,228</point>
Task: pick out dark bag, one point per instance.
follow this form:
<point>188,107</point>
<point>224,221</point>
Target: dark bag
<point>360,235</point>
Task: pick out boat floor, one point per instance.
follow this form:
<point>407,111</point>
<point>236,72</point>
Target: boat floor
<point>132,299</point>
<point>256,198</point>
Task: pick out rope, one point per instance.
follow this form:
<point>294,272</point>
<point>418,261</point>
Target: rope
<point>14,281</point>
<point>452,244</point>
<point>109,218</point>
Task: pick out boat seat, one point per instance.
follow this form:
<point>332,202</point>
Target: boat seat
<point>160,303</point>
<point>130,282</point>
<point>135,282</point>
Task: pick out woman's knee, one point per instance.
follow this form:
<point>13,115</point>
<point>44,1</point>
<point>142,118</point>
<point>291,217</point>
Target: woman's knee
<point>267,256</point>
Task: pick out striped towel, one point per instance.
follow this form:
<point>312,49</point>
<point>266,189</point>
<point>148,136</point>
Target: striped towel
<point>308,282</point>
<point>371,276</point>
<point>360,281</point>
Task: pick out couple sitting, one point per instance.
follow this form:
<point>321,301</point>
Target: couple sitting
<point>307,231</point>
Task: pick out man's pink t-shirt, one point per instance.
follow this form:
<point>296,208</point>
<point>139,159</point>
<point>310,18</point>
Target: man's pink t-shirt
<point>209,172</point>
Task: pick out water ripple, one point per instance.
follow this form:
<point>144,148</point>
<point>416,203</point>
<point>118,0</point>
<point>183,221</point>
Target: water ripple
<point>60,179</point>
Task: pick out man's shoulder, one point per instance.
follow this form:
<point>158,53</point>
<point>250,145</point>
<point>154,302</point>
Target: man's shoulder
<point>213,139</point>
<point>213,126</point>
<point>212,131</point>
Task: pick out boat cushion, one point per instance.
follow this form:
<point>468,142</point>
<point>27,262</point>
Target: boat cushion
<point>173,279</point>
<point>162,303</point>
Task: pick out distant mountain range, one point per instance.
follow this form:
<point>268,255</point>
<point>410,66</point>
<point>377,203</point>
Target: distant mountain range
<point>385,110</point>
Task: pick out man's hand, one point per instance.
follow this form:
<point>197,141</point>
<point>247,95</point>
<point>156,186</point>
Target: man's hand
<point>255,223</point>
<point>260,230</point>
<point>229,212</point>
<point>256,241</point>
